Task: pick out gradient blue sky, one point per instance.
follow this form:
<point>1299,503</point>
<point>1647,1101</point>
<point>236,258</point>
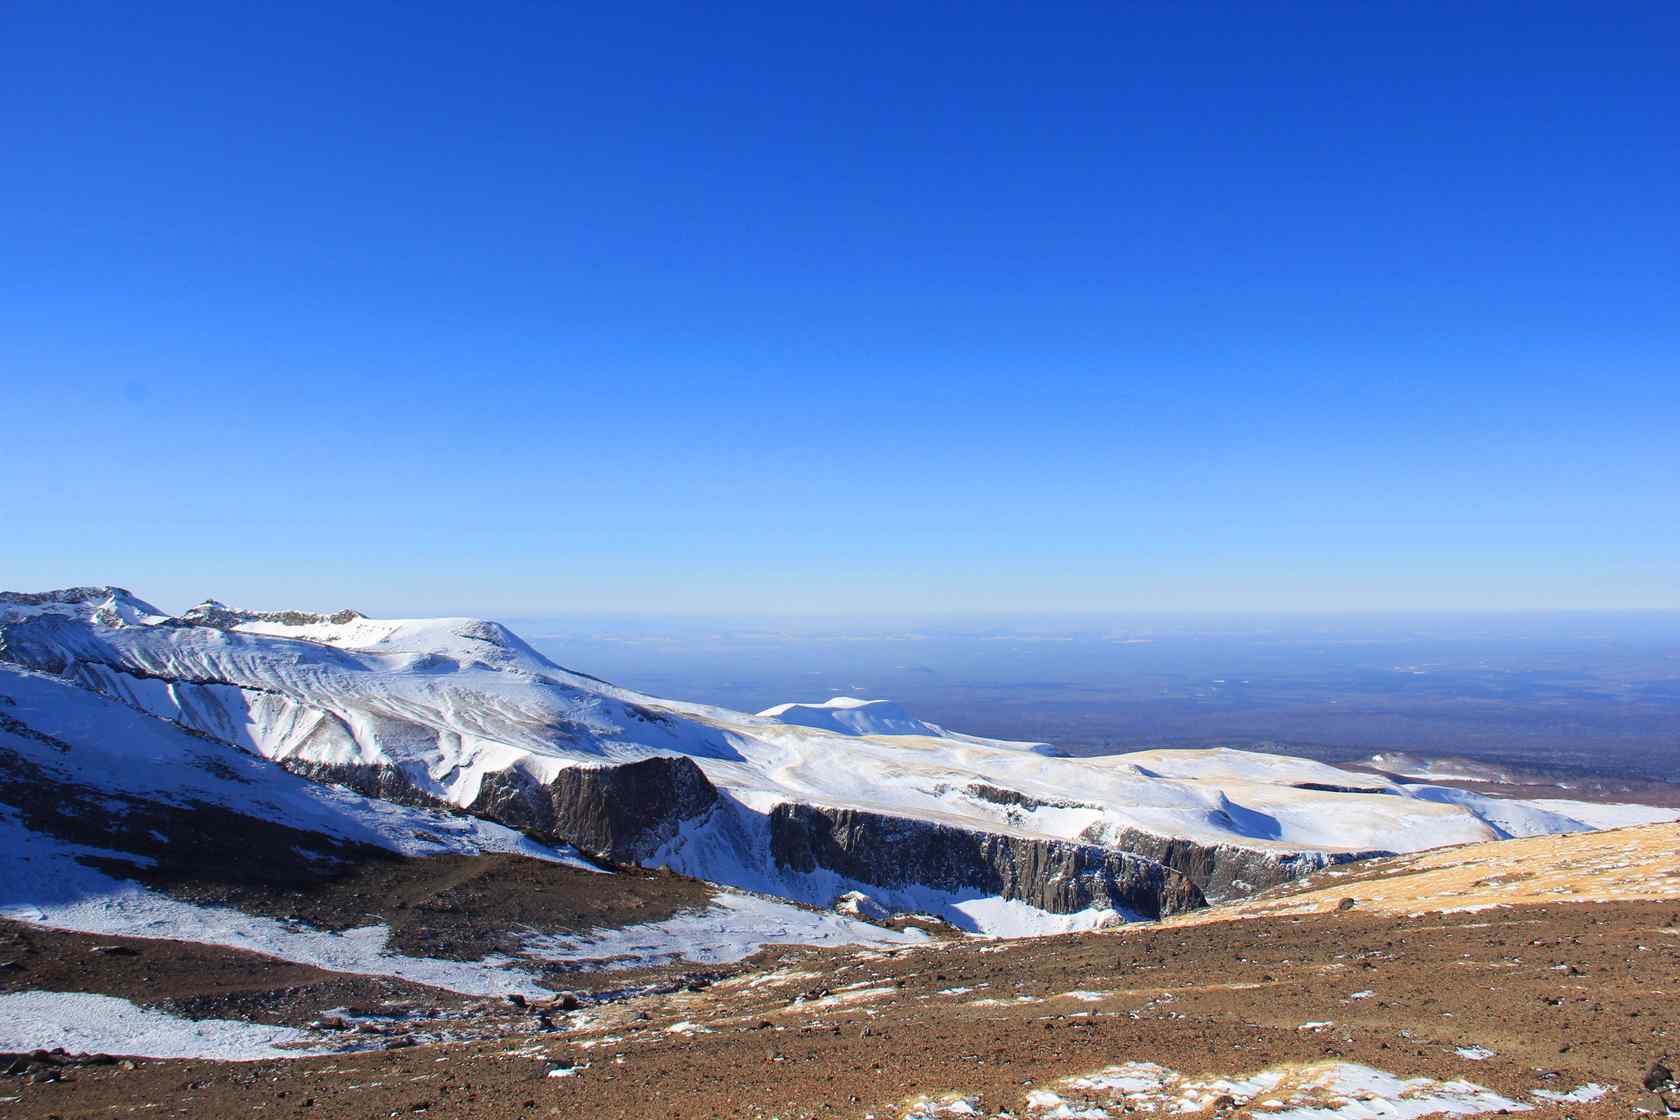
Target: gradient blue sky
<point>521,309</point>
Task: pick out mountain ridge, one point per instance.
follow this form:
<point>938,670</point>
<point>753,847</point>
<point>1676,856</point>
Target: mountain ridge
<point>462,713</point>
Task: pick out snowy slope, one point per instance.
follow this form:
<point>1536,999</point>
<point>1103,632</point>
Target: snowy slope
<point>449,701</point>
<point>67,752</point>
<point>70,735</point>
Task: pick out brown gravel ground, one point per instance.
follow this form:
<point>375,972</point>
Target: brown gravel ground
<point>1563,993</point>
<point>197,981</point>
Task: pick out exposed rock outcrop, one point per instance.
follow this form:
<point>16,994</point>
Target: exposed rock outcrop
<point>1224,872</point>
<point>997,795</point>
<point>388,783</point>
<point>221,617</point>
<point>622,812</point>
<point>1055,875</point>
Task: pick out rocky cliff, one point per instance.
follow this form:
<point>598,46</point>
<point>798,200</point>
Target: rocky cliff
<point>1055,875</point>
<point>622,812</point>
<point>1223,872</point>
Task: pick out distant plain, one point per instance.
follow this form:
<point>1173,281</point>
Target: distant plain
<point>1546,694</point>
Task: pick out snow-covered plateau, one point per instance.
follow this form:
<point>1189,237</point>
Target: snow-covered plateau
<point>403,724</point>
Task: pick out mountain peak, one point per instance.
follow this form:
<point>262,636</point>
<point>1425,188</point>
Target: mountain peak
<point>109,604</point>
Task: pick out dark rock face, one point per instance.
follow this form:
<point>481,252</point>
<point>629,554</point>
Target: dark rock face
<point>388,783</point>
<point>1325,787</point>
<point>214,614</point>
<point>623,812</point>
<point>1224,872</point>
<point>997,795</point>
<point>1055,875</point>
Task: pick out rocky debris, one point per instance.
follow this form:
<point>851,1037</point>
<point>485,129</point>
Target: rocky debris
<point>1060,876</point>
<point>45,1067</point>
<point>1659,1079</point>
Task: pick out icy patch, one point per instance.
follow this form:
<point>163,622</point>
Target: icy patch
<point>1472,908</point>
<point>1321,1091</point>
<point>951,1104</point>
<point>689,1029</point>
<point>90,1024</point>
<point>734,926</point>
<point>1581,1094</point>
<point>1010,917</point>
<point>1005,1002</point>
<point>1474,1053</point>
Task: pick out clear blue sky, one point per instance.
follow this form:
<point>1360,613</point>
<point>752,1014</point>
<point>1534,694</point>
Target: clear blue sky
<point>523,308</point>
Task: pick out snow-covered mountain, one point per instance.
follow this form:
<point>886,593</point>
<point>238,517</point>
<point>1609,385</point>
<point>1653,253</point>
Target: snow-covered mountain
<point>806,800</point>
<point>114,822</point>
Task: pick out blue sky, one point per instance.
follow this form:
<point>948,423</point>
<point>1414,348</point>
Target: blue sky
<point>888,308</point>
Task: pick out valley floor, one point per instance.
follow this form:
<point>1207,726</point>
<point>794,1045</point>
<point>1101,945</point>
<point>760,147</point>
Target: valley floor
<point>1573,999</point>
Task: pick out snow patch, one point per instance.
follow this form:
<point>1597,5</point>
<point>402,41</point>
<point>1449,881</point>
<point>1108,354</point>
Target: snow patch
<point>1320,1091</point>
<point>1581,1094</point>
<point>734,926</point>
<point>91,1024</point>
